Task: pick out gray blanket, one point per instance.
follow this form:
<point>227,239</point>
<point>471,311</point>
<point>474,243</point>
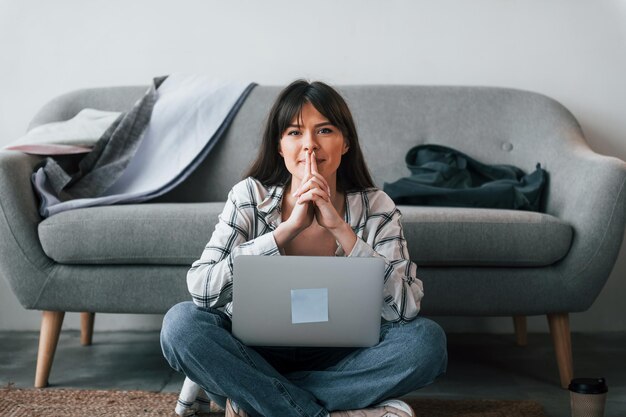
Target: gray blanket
<point>121,167</point>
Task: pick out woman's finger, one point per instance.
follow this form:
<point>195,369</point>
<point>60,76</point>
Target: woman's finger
<point>323,181</point>
<point>307,174</point>
<point>313,164</point>
<point>307,166</point>
<point>304,186</point>
<point>310,184</point>
<point>324,184</point>
<point>319,178</point>
<point>312,194</point>
<point>316,173</point>
<point>313,191</point>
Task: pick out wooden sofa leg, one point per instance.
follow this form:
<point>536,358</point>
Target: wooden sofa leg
<point>521,333</point>
<point>51,323</point>
<point>559,329</point>
<point>86,328</point>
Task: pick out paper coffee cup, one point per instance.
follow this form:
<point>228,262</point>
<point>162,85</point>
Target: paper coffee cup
<point>587,397</point>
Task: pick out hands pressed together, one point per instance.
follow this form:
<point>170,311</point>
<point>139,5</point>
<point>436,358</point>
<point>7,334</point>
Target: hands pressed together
<point>314,200</point>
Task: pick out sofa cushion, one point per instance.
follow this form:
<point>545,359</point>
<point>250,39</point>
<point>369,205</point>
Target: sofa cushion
<point>454,236</point>
<point>164,233</point>
<point>176,234</point>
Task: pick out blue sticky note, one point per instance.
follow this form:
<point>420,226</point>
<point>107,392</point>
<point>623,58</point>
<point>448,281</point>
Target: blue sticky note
<point>309,305</point>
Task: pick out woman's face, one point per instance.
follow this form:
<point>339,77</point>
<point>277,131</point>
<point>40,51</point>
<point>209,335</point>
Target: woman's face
<point>318,134</point>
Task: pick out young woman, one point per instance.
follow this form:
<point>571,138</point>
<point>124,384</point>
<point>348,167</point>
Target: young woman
<point>309,192</point>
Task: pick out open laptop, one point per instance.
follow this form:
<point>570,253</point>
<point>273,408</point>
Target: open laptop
<point>319,301</point>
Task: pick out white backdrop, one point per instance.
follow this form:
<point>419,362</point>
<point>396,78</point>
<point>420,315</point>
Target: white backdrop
<point>571,50</point>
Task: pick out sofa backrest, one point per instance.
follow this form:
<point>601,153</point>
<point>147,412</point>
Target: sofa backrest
<point>493,125</point>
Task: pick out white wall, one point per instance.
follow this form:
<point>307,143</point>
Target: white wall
<point>571,50</point>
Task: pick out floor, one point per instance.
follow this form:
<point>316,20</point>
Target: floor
<point>481,366</point>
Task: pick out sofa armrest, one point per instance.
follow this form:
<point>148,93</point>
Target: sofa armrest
<point>22,260</point>
<point>588,190</point>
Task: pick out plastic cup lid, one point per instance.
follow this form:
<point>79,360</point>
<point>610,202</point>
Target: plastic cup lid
<point>588,385</point>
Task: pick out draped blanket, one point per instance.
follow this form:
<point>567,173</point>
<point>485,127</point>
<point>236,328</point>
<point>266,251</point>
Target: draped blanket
<point>148,150</point>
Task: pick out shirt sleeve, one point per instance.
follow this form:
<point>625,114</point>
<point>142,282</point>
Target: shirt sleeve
<point>402,291</point>
<point>210,279</point>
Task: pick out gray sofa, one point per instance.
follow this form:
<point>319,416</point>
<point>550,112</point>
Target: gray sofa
<point>473,262</point>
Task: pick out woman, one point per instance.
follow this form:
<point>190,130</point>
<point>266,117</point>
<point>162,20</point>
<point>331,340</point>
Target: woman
<point>309,192</point>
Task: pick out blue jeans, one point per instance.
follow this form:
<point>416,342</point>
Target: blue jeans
<point>300,382</point>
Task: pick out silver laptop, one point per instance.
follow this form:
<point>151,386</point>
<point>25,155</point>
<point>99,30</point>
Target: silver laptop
<point>322,301</point>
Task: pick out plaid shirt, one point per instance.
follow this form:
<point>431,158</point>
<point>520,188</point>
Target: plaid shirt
<point>253,211</point>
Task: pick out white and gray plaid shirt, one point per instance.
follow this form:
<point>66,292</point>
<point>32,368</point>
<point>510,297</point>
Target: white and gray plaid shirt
<point>253,211</point>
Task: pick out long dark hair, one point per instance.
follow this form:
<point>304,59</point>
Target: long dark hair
<point>269,167</point>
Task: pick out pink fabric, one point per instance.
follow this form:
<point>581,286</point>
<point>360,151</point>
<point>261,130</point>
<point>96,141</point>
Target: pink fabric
<point>49,149</point>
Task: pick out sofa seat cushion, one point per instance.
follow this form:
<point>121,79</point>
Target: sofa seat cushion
<point>177,233</point>
<point>164,233</point>
<point>453,236</point>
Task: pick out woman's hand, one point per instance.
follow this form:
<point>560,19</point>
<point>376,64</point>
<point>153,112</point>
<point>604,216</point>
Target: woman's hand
<point>301,216</point>
<point>315,192</point>
<point>303,211</point>
<point>315,189</point>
